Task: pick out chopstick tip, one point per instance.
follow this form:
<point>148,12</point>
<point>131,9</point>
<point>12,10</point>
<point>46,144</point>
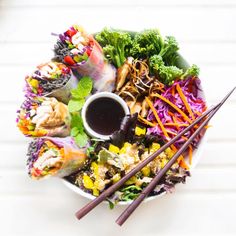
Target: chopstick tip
<point>78,215</point>
<point>120,223</point>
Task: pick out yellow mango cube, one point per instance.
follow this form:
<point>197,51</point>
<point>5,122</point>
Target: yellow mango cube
<point>140,131</point>
<point>88,183</point>
<point>114,149</point>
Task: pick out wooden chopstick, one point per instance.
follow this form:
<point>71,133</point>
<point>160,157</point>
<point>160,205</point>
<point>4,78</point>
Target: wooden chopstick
<point>91,205</point>
<point>130,209</point>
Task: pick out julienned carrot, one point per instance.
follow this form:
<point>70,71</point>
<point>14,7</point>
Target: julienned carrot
<point>182,163</point>
<point>173,91</point>
<point>146,121</point>
<point>198,113</point>
<point>171,113</point>
<point>181,158</point>
<point>175,121</point>
<point>184,100</point>
<point>176,124</point>
<point>172,105</point>
<point>156,116</point>
<point>171,132</point>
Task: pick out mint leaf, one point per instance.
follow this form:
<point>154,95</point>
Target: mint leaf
<point>76,104</point>
<point>76,120</point>
<point>74,131</point>
<point>78,123</point>
<point>75,94</point>
<point>81,139</point>
<point>83,89</point>
<point>85,86</point>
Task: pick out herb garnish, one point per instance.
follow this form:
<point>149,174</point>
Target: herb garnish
<point>75,105</point>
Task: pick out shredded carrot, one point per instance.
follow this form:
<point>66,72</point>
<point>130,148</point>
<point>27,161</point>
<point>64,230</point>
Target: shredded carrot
<point>170,132</point>
<point>146,121</point>
<point>173,105</point>
<point>176,124</point>
<point>171,113</point>
<point>190,153</point>
<point>183,164</point>
<point>198,113</point>
<point>175,121</point>
<point>184,100</point>
<point>178,119</point>
<point>173,91</point>
<point>156,116</point>
<point>180,160</point>
<point>185,138</point>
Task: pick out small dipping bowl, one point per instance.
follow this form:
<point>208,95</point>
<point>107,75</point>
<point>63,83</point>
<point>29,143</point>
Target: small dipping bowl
<point>102,114</point>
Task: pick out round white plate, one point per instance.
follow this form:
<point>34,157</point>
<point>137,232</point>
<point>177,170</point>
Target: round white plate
<point>182,63</point>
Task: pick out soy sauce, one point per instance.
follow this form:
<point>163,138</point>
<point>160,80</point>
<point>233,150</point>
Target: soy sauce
<point>104,115</point>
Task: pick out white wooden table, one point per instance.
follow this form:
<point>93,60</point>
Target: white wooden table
<point>206,205</point>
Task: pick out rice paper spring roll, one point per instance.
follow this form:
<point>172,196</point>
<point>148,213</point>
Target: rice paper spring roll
<point>51,79</point>
<point>42,116</point>
<point>82,52</point>
<point>54,157</point>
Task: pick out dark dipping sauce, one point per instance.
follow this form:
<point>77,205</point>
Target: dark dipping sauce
<point>104,115</point>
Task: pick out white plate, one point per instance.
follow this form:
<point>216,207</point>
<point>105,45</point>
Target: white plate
<point>182,63</point>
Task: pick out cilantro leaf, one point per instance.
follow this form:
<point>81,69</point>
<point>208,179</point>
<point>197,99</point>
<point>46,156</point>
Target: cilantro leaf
<point>76,104</point>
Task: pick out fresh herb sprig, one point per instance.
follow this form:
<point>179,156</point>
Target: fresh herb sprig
<point>75,105</point>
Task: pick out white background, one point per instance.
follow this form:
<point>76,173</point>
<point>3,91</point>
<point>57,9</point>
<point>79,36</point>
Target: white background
<point>206,205</point>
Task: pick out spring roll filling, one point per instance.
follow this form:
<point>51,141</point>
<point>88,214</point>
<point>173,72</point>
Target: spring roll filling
<point>74,46</point>
<point>37,118</point>
<point>48,77</point>
<point>49,160</point>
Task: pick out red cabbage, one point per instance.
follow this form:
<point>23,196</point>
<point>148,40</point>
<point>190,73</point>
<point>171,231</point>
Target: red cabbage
<point>192,90</point>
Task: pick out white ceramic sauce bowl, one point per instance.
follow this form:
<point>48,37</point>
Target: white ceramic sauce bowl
<point>91,99</point>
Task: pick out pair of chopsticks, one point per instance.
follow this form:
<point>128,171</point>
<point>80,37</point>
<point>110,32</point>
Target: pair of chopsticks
<point>204,119</point>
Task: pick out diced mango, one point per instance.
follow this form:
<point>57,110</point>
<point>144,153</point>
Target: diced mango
<point>140,131</point>
<point>163,162</point>
<point>130,181</point>
<point>95,192</point>
<point>169,152</point>
<point>88,183</point>
<point>122,150</point>
<point>113,149</point>
<point>127,144</point>
<point>146,171</point>
<point>94,166</point>
<point>97,185</point>
<point>116,178</point>
<point>155,146</point>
